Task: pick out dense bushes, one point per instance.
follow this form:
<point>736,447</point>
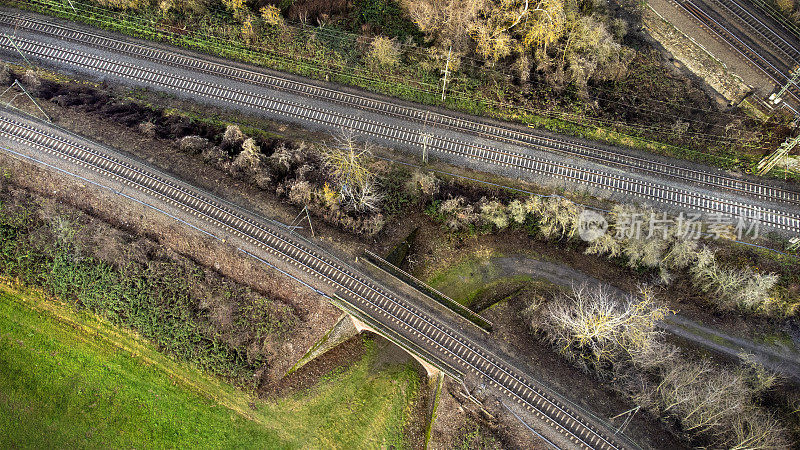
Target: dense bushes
<point>334,181</point>
<point>158,297</point>
<point>556,218</point>
<point>617,339</point>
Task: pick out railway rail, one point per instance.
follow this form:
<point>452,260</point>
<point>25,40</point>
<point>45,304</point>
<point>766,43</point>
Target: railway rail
<point>753,54</point>
<point>774,218</point>
<point>425,118</point>
<point>785,44</point>
<point>449,346</point>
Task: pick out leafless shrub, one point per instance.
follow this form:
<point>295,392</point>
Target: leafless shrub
<point>233,136</point>
<point>644,252</point>
<point>606,244</point>
<point>559,218</point>
<point>732,288</point>
<point>495,213</point>
<point>216,156</point>
<point>426,182</point>
<point>299,192</point>
<point>193,144</point>
<point>249,161</point>
<point>148,129</point>
<point>517,211</point>
<point>681,254</point>
<point>460,214</point>
<point>533,206</point>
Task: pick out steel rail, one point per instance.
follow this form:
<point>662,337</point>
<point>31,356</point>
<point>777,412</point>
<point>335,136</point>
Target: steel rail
<point>768,33</point>
<point>409,137</point>
<point>425,117</point>
<point>752,56</point>
<point>409,318</point>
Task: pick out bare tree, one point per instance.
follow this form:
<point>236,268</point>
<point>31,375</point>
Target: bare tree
<point>347,161</point>
<point>597,329</point>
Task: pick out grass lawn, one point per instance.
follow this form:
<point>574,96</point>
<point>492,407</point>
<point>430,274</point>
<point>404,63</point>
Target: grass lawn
<point>68,379</point>
<point>464,280</point>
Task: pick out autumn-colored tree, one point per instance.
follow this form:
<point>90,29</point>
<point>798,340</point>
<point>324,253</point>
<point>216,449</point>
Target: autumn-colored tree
<point>272,16</point>
<point>517,26</point>
<point>384,52</point>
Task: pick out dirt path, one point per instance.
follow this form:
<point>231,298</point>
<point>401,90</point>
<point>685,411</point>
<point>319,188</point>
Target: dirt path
<point>781,357</point>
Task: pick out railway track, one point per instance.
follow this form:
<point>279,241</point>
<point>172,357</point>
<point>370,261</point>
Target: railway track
<point>786,45</point>
<point>712,179</point>
<point>443,342</point>
<point>747,51</point>
<point>751,53</point>
<point>406,136</point>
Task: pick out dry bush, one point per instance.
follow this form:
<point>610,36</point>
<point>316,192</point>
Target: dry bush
<point>495,213</point>
<point>682,253</point>
<point>148,129</point>
<point>458,213</point>
<point>644,252</point>
<point>427,183</point>
<point>517,211</point>
<point>559,218</point>
<point>193,144</point>
<point>233,136</point>
<point>300,192</point>
<point>533,206</point>
<point>216,156</point>
<point>606,244</point>
<point>249,162</point>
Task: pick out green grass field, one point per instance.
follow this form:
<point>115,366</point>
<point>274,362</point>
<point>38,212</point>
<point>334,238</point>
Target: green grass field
<point>68,379</point>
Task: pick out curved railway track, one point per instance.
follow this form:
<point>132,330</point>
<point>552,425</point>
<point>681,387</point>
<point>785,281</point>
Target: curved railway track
<point>528,138</point>
<point>447,345</point>
<point>274,105</point>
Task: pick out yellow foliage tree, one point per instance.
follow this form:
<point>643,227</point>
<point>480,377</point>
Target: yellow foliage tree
<point>272,16</point>
<point>517,26</point>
